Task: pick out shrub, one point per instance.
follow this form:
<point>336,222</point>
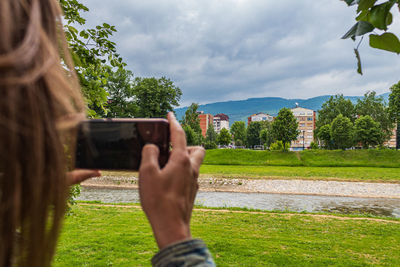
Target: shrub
<point>314,145</point>
<point>278,146</point>
<point>210,145</point>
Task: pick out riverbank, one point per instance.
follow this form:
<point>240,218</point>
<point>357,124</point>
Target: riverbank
<point>271,186</point>
<point>104,235</point>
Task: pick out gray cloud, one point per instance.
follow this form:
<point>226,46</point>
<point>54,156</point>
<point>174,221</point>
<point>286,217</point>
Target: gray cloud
<point>237,49</point>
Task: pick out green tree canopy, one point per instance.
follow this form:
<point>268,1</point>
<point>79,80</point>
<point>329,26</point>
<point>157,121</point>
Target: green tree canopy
<point>156,97</point>
<point>394,109</point>
<point>211,135</point>
<point>191,135</point>
<point>121,100</point>
<point>191,118</point>
<point>224,137</point>
<point>238,131</point>
<point>375,107</point>
<point>342,132</point>
<point>332,108</point>
<point>284,127</point>
<point>324,135</point>
<point>253,133</point>
<point>267,135</point>
<point>367,132</point>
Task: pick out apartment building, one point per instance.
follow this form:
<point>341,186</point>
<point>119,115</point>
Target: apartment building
<point>259,117</point>
<point>306,119</point>
<point>221,121</point>
<point>205,121</point>
<point>392,141</point>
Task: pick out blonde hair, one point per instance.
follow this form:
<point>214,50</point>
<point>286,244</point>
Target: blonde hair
<point>39,92</point>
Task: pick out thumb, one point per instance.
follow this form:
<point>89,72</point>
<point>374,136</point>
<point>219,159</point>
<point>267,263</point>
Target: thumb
<point>149,163</point>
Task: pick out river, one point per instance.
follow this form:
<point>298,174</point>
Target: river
<point>283,202</point>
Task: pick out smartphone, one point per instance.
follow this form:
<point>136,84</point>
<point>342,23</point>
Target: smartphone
<point>116,144</point>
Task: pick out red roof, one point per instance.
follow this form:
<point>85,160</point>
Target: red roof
<point>222,116</point>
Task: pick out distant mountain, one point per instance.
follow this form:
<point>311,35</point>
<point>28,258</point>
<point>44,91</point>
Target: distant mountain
<point>241,109</point>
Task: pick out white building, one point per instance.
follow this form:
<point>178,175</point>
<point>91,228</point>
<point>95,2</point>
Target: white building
<point>221,121</point>
<point>259,117</point>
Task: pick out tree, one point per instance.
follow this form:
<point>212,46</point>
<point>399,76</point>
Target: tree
<point>156,97</point>
<point>238,131</point>
<point>253,133</point>
<point>266,135</point>
<point>332,108</point>
<point>376,108</point>
<point>211,135</point>
<point>342,132</point>
<point>284,127</point>
<point>94,55</point>
<point>324,135</point>
<point>367,132</point>
<point>394,109</point>
<point>224,137</point>
<point>374,16</point>
<point>191,135</point>
<point>121,99</point>
<point>191,118</point>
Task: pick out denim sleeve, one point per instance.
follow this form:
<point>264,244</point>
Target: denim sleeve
<point>187,253</point>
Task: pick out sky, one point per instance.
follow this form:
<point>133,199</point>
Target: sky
<point>220,50</point>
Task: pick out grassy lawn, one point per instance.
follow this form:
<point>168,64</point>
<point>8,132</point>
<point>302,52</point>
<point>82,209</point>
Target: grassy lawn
<point>372,174</point>
<point>314,158</point>
<point>120,236</point>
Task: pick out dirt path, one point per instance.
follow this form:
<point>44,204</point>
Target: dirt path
<point>259,212</point>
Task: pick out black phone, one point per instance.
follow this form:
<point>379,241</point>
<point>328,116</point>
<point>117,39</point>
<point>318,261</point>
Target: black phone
<point>116,144</point>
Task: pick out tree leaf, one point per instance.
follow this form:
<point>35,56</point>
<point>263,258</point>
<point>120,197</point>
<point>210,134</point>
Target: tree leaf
<point>378,15</point>
<point>360,28</point>
<point>351,2</point>
<point>359,68</point>
<point>387,41</point>
<point>365,5</point>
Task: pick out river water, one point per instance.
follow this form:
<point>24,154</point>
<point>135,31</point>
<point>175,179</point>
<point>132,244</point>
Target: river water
<point>282,202</point>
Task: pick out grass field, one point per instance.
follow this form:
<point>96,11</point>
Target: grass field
<point>310,158</point>
<point>364,174</point>
<point>120,236</point>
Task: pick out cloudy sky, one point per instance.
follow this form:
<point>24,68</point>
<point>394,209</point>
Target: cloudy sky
<point>218,50</point>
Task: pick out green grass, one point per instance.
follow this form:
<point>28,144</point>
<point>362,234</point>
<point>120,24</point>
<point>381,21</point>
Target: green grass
<point>311,158</point>
<point>364,174</point>
<point>120,236</point>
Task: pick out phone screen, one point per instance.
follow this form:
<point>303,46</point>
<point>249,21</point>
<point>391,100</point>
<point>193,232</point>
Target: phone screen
<point>113,144</point>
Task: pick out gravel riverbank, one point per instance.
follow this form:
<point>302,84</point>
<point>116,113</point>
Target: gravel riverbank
<point>281,186</point>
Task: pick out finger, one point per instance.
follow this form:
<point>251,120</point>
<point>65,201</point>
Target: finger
<point>149,163</point>
<point>178,138</point>
<point>78,176</point>
<point>196,155</point>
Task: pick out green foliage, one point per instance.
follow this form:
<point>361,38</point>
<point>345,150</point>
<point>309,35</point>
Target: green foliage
<point>324,135</point>
<point>373,15</point>
<point>191,118</point>
<point>74,192</point>
<point>211,135</point>
<point>342,132</point>
<point>278,146</point>
<point>394,103</point>
<point>191,135</point>
<point>376,108</point>
<point>367,132</point>
<point>156,97</point>
<point>94,55</point>
<point>121,100</point>
<point>266,135</point>
<point>210,145</point>
<point>253,133</point>
<point>284,127</point>
<point>238,131</point>
<point>224,137</point>
<point>314,145</point>
<point>333,107</point>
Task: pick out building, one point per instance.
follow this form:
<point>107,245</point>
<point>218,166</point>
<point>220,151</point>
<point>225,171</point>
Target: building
<point>306,119</point>
<point>259,117</point>
<point>221,121</point>
<point>205,121</point>
<point>392,141</point>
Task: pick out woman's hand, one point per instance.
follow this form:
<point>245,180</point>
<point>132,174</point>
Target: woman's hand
<point>167,195</point>
<point>78,176</point>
